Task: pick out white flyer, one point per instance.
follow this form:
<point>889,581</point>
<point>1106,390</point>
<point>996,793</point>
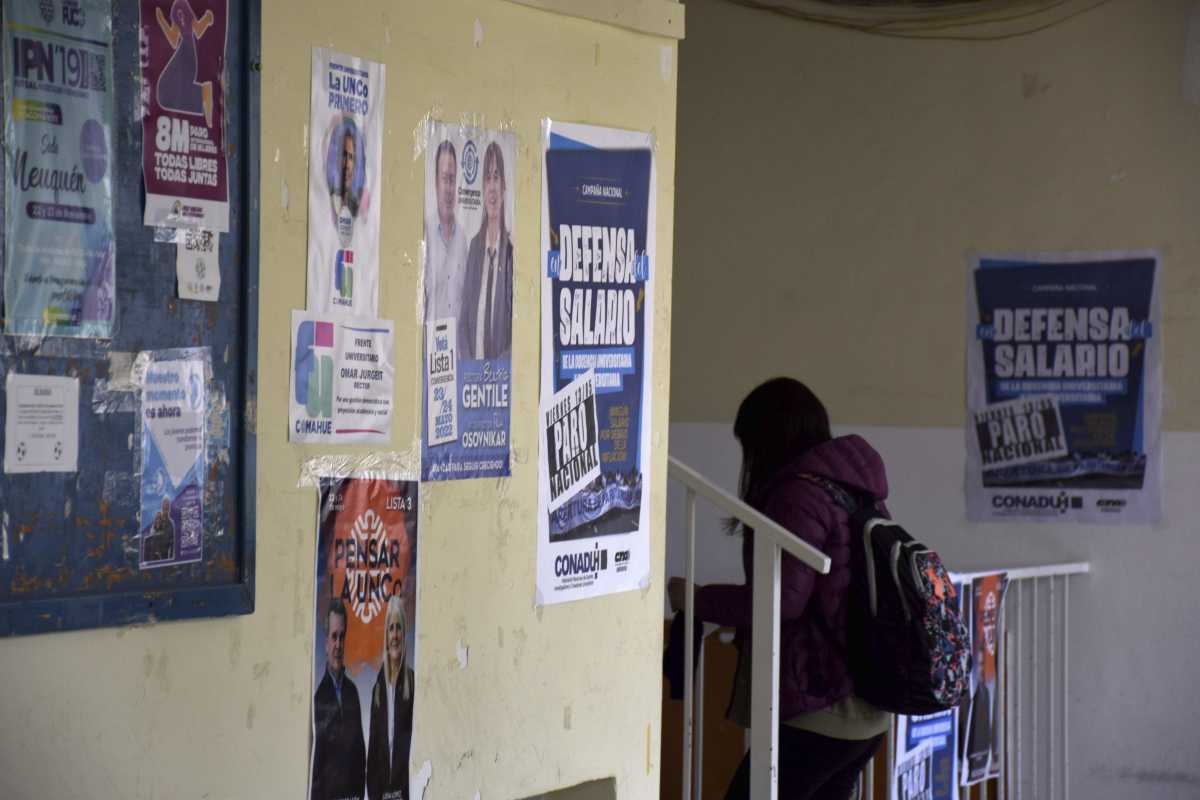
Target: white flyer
<point>197,269</point>
<point>342,378</point>
<point>344,183</point>
<point>41,429</point>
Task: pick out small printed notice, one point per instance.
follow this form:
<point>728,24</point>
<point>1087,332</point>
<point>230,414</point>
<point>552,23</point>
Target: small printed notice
<point>174,446</point>
<point>572,439</point>
<point>1020,432</point>
<point>342,376</point>
<point>41,429</point>
<point>443,382</point>
<point>197,269</point>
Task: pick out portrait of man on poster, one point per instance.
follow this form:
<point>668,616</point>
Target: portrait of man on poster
<point>339,751</point>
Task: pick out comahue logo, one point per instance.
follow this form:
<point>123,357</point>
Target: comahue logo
<point>1036,503</point>
<point>1110,505</point>
<point>313,379</point>
<point>594,560</point>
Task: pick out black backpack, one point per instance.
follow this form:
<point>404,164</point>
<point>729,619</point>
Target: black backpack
<point>909,651</point>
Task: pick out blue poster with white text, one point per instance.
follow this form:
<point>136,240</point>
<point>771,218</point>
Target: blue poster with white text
<point>598,228</point>
<point>1064,388</point>
<point>58,223</point>
<point>174,436</point>
<point>597,219</point>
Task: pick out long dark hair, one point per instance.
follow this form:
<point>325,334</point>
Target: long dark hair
<point>778,422</point>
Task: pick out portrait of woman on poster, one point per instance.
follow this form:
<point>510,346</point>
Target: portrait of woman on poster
<point>487,287</point>
<point>391,712</point>
<point>344,169</point>
<point>179,86</point>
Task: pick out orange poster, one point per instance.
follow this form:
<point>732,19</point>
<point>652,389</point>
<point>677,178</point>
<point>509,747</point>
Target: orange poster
<point>981,753</point>
<point>363,685</point>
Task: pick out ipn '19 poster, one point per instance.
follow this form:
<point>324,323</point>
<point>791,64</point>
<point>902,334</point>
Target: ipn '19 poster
<point>59,262</point>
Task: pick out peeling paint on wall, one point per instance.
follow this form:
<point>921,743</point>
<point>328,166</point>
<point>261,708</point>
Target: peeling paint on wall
<point>251,416</point>
<point>421,780</point>
<point>462,652</point>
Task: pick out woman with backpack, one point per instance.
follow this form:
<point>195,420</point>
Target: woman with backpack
<point>827,734</point>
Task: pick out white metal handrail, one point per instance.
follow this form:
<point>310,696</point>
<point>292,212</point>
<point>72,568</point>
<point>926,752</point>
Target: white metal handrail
<point>771,540</point>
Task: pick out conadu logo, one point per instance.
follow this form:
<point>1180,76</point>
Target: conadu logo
<point>1036,503</point>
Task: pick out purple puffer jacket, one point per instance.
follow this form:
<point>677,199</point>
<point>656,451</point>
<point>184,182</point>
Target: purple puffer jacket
<point>813,670</point>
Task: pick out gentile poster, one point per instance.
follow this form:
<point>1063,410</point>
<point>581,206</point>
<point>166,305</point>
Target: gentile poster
<point>598,222</point>
<point>469,258</point>
<point>345,149</point>
<point>183,113</point>
<point>1064,388</point>
<point>341,379</point>
<point>363,682</point>
<point>58,157</point>
<point>174,413</point>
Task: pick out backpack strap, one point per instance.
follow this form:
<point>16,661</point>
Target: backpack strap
<point>859,510</point>
<point>836,493</point>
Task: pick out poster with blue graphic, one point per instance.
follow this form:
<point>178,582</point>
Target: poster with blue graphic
<point>598,237</point>
<point>59,258</point>
<point>341,380</point>
<point>470,198</point>
<point>1064,388</point>
<point>174,414</point>
<point>345,183</point>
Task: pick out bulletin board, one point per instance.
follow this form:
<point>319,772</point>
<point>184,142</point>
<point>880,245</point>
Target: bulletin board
<point>71,549</point>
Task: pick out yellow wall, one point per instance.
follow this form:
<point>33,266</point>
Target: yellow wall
<point>550,698</point>
<point>832,184</point>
